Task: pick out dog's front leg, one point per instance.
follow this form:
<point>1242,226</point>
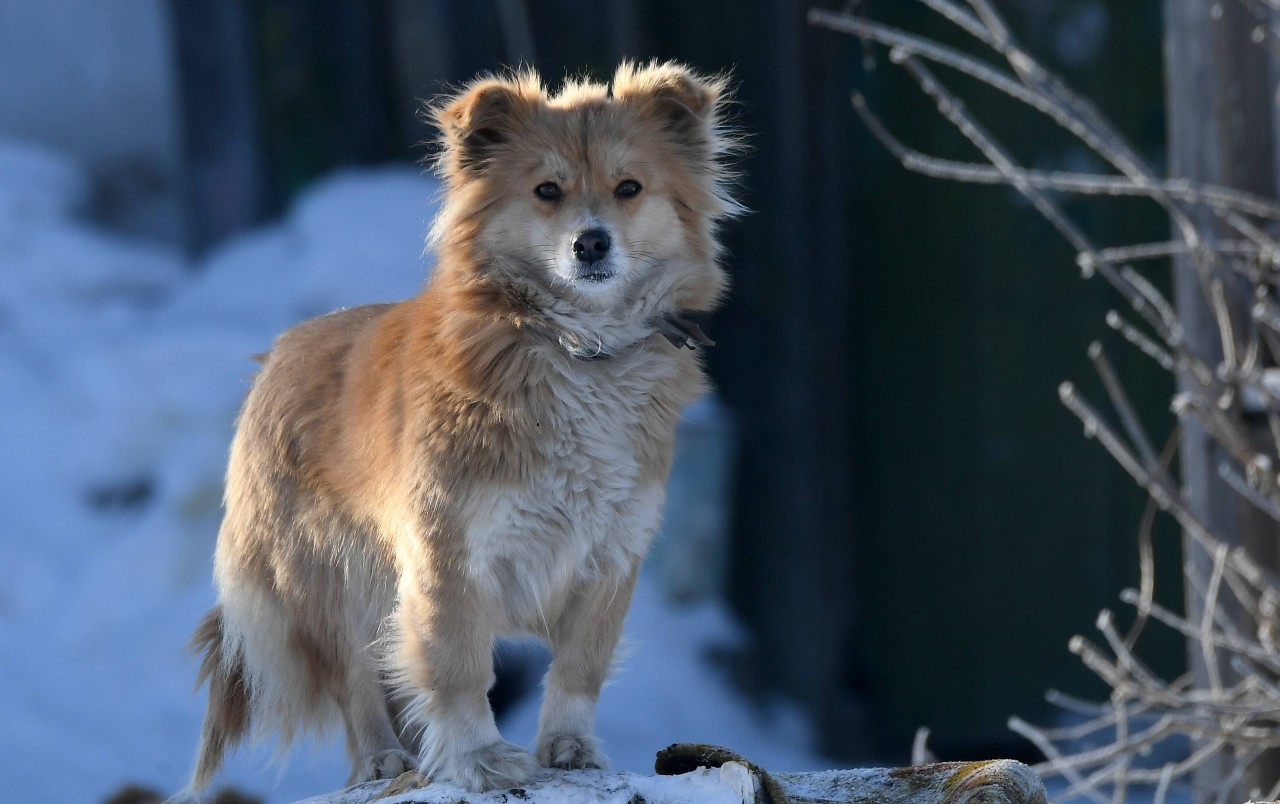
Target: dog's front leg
<point>445,657</point>
<point>582,640</point>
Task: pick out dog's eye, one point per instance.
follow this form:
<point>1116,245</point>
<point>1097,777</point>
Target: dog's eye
<point>627,189</point>
<point>548,191</point>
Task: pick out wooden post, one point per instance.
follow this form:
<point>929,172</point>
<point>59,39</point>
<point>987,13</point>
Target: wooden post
<point>1222,124</point>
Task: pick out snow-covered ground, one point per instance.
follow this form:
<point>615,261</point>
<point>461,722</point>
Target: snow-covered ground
<point>121,369</point>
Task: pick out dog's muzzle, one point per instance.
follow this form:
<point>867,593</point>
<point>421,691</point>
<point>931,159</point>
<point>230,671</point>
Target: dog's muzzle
<point>590,250</point>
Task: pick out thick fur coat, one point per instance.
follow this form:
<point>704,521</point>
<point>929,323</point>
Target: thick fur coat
<point>409,481</point>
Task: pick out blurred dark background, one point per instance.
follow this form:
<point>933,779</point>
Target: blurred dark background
<point>919,526</point>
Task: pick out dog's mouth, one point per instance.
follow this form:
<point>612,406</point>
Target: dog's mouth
<point>593,273</point>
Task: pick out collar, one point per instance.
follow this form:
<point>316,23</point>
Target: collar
<point>680,331</point>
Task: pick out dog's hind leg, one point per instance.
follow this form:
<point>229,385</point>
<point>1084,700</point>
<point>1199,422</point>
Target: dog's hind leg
<point>375,750</point>
<point>339,663</point>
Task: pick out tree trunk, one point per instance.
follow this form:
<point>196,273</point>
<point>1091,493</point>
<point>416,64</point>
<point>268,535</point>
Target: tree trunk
<point>1222,121</point>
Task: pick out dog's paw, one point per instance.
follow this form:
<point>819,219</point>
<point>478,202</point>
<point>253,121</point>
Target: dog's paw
<point>571,752</point>
<point>387,764</point>
<point>491,767</point>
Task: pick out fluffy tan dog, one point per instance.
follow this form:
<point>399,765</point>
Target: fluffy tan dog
<point>409,481</point>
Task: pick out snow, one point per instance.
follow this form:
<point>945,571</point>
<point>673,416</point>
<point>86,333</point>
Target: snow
<point>730,784</point>
<point>121,369</point>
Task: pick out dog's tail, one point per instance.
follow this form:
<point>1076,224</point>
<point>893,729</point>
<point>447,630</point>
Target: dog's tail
<point>226,721</point>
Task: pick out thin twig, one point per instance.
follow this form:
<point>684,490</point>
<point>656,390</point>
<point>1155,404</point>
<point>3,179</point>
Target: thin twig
<point>1120,401</point>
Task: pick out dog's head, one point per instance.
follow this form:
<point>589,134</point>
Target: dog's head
<point>596,206</point>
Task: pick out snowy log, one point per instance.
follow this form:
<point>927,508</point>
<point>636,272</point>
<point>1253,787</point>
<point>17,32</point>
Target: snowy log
<point>734,781</point>
<point>997,781</point>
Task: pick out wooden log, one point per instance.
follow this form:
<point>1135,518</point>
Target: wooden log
<point>997,781</point>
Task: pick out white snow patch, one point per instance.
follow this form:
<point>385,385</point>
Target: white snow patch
<point>701,786</point>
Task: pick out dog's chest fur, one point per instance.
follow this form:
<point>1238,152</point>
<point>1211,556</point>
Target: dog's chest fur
<point>589,497</point>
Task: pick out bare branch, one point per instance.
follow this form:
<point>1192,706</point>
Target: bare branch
<point>1234,711</point>
<point>1222,198</point>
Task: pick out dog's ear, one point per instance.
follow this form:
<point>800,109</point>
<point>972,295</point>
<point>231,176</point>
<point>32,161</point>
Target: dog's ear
<point>689,105</point>
<point>482,117</point>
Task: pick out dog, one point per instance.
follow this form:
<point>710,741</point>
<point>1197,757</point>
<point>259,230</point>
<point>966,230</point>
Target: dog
<point>407,482</point>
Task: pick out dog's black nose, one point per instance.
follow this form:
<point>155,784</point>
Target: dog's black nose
<point>591,245</point>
